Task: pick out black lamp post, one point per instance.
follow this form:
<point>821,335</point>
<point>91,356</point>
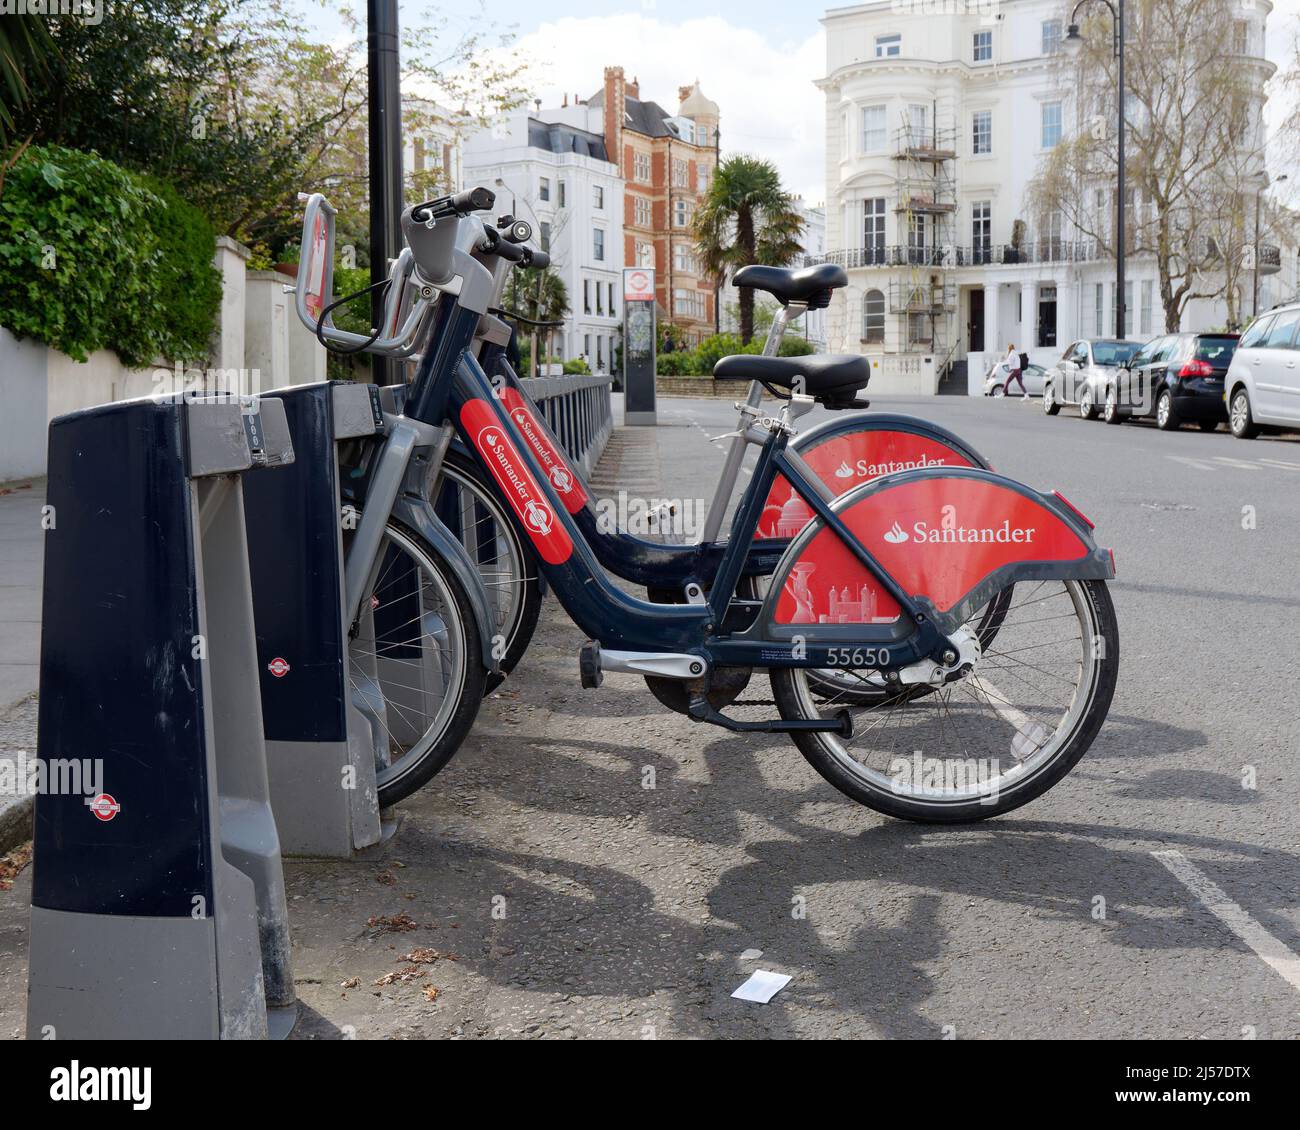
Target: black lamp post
<point>1254,305</point>
<point>1073,44</point>
<point>384,96</point>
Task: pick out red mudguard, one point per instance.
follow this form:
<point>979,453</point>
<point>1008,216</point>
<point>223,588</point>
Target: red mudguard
<point>951,538</point>
<point>848,460</point>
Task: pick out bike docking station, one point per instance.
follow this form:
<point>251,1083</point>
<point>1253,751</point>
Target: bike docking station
<point>158,904</point>
<point>321,748</point>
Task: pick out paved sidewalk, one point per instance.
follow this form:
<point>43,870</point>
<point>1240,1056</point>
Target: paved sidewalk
<point>21,551</point>
<point>22,547</point>
<point>591,865</point>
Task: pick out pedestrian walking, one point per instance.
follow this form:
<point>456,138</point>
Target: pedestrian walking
<point>1012,362</point>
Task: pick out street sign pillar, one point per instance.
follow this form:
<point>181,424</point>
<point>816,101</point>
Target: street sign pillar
<point>158,904</point>
<point>639,343</point>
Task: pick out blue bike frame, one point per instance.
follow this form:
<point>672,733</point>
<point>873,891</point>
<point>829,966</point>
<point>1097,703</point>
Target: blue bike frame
<point>724,631</point>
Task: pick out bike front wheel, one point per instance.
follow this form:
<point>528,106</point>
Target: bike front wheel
<point>415,664</point>
<point>995,737</point>
<point>465,501</point>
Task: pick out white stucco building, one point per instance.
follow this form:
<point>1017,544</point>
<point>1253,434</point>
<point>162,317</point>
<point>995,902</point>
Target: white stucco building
<point>558,177</point>
<point>936,123</point>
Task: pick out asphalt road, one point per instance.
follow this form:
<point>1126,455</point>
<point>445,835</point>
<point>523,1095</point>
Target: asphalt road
<point>562,898</point>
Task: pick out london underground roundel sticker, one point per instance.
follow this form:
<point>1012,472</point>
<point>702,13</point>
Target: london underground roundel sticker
<point>516,481</point>
<point>104,807</point>
<point>562,479</point>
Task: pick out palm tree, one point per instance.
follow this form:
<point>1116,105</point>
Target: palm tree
<point>26,49</point>
<point>747,217</point>
<point>539,296</point>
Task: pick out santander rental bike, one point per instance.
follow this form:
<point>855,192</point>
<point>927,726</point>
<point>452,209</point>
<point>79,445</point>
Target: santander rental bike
<point>841,453</point>
<point>971,610</point>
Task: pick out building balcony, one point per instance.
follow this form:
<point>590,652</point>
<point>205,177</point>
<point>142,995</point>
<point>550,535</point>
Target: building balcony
<point>998,254</point>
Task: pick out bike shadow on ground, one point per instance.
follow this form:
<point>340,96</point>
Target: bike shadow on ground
<point>874,929</point>
<point>743,827</point>
<point>758,774</point>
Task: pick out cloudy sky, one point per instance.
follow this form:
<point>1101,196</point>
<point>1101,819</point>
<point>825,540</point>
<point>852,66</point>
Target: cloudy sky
<point>757,59</point>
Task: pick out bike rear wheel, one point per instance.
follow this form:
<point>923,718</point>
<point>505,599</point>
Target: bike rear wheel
<point>415,664</point>
<point>992,739</point>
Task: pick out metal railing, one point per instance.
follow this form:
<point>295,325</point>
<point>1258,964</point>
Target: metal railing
<point>577,409</point>
<point>1002,254</point>
<point>950,255</point>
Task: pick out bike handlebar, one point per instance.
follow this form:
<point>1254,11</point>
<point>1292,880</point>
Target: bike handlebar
<point>496,244</point>
<point>461,204</point>
<point>536,257</point>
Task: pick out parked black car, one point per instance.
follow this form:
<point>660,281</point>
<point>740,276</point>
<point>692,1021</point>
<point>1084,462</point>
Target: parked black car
<point>1174,378</point>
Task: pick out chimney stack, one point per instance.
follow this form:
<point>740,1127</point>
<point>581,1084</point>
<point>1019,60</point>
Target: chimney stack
<point>614,109</point>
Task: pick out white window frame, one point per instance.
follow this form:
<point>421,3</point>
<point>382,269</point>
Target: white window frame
<point>982,46</point>
<point>867,137</point>
<point>1051,31</point>
<point>873,318</point>
<point>981,230</point>
<point>598,244</point>
<point>890,45</point>
<point>874,231</point>
<point>975,118</point>
<point>1045,124</point>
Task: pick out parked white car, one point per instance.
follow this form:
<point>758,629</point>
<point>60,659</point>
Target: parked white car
<point>1262,388</point>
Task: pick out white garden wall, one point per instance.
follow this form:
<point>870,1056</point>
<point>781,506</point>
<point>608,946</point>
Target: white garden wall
<point>258,344</point>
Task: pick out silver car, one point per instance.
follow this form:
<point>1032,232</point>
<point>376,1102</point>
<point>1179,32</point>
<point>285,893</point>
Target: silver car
<point>1262,388</point>
<point>1082,374</point>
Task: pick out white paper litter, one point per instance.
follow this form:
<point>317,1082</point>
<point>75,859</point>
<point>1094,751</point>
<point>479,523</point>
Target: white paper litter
<point>751,955</point>
<point>762,986</point>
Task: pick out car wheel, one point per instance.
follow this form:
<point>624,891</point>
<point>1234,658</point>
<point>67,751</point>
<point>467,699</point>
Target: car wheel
<point>1240,418</point>
<point>998,390</point>
<point>1208,425</point>
<point>1110,410</point>
<point>1087,409</point>
<point>1050,407</point>
<point>1166,414</point>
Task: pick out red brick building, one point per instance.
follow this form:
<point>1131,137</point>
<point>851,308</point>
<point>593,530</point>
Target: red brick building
<point>667,162</point>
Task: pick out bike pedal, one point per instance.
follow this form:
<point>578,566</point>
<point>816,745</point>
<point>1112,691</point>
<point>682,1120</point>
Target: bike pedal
<point>589,671</point>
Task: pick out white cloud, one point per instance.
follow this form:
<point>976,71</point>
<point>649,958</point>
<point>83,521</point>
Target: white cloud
<point>764,90</point>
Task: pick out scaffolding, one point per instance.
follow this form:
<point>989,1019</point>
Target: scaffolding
<point>925,159</point>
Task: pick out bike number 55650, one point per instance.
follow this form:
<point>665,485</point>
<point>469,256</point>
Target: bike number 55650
<point>857,656</point>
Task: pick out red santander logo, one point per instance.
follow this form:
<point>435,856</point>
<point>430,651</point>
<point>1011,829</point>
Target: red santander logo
<point>557,470</point>
<point>515,478</point>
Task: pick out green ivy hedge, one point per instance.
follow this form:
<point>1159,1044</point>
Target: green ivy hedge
<point>699,362</point>
<point>95,257</point>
